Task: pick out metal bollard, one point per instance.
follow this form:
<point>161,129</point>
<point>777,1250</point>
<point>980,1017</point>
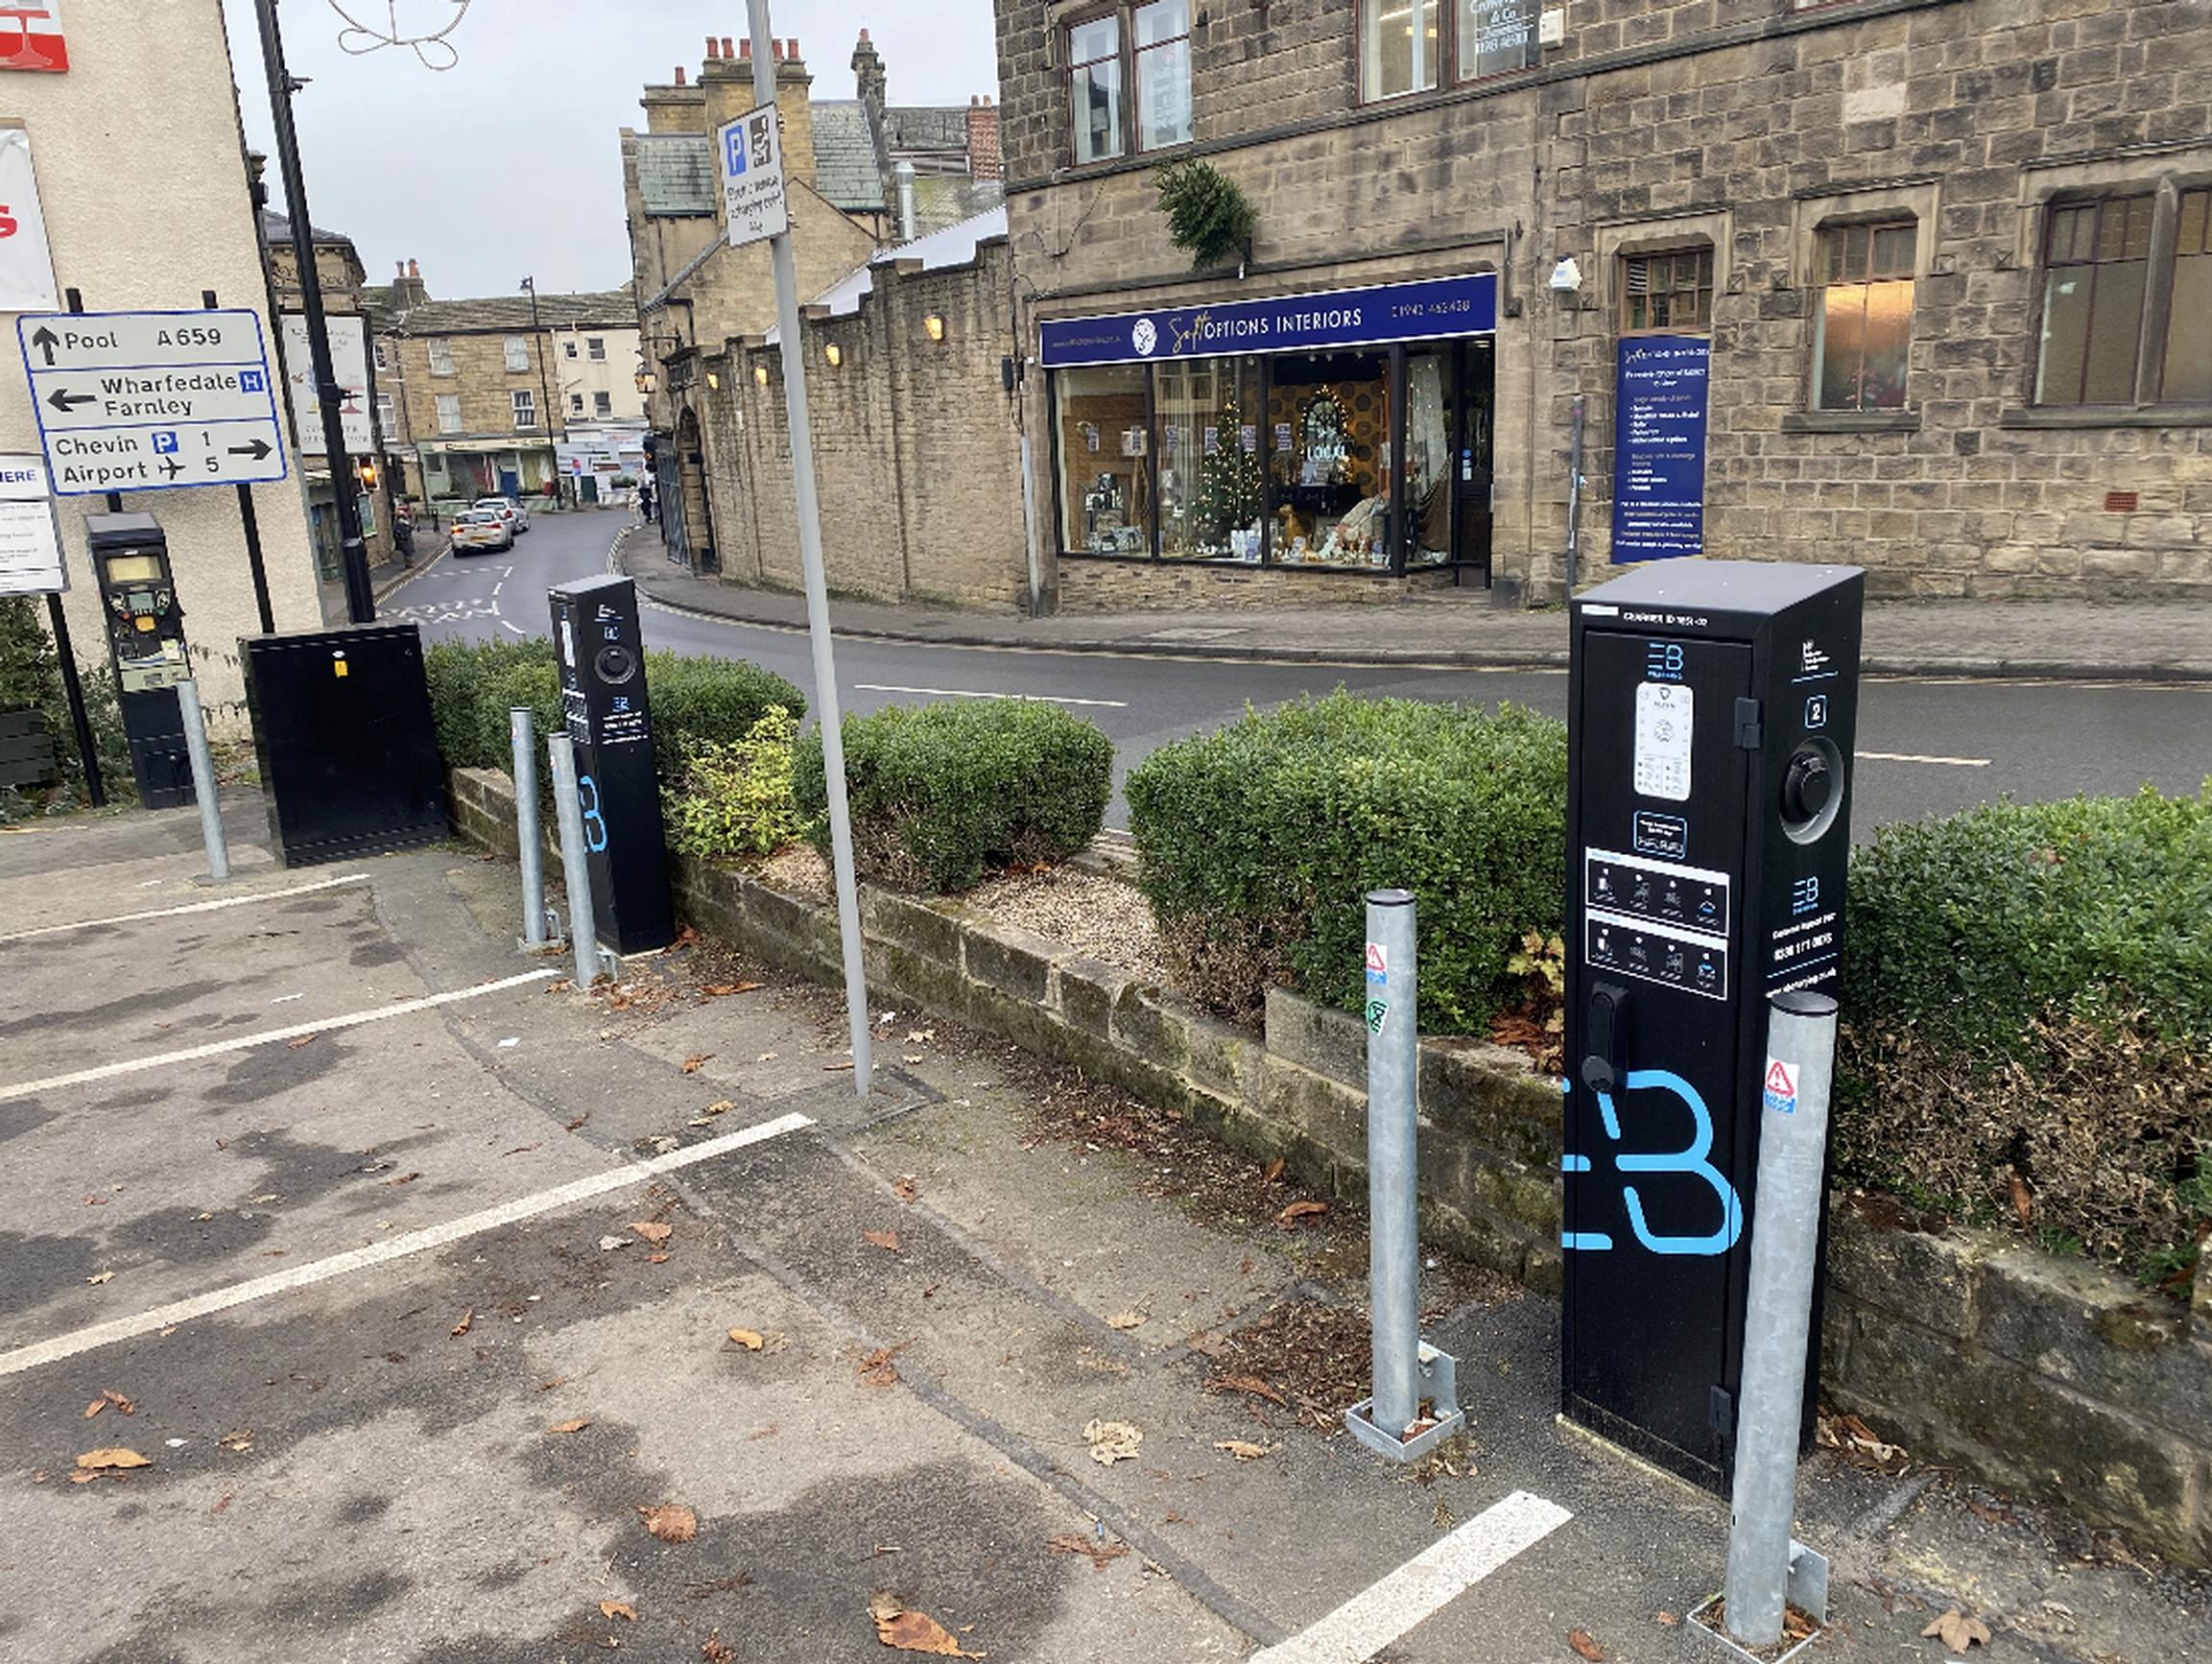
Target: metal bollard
<point>1405,1370</point>
<point>1765,1567</point>
<point>203,781</point>
<point>568,810</point>
<point>520,726</point>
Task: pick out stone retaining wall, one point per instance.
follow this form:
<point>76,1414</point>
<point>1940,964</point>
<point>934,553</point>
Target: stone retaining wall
<point>2049,1377</point>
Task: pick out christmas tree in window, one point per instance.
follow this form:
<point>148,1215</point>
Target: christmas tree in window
<point>1228,494</point>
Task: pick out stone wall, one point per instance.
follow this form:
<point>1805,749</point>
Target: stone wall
<point>916,452</point>
<point>2053,1378</point>
<point>1094,586</point>
<point>1749,126</point>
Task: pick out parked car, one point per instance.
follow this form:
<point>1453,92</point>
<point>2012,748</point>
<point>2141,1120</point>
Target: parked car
<point>513,512</point>
<point>480,529</point>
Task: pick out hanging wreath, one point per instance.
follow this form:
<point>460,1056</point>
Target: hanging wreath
<point>1208,214</point>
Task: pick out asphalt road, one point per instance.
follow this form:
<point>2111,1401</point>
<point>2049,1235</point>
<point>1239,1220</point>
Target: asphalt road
<point>1926,746</point>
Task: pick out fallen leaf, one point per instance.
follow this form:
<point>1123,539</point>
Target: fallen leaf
<point>1243,1449</point>
<point>906,1631</point>
<point>94,1407</point>
<point>904,1187</point>
<point>576,1425</point>
<point>715,1651</point>
<point>304,1040</point>
<point>722,990</point>
<point>656,1259</point>
<point>692,1064</point>
<point>1298,1210</point>
<point>99,1460</point>
<point>1251,1386</point>
<point>749,1339</point>
<point>838,1068</point>
<point>2023,1202</point>
<point>654,1231</point>
<point>876,1368</point>
<point>1111,1441</point>
<point>123,1406</point>
<point>468,1322</point>
<point>1275,1171</point>
<point>83,1476</point>
<point>885,1240</point>
<point>671,1522</point>
<point>1583,1642</point>
<point>608,1244</point>
<point>238,1443</point>
<point>920,1036</point>
<point>1667,1620</point>
<point>618,1609</point>
<point>406,1178</point>
<point>1954,1629</point>
<point>1132,1318</point>
<point>1095,1549</point>
<point>95,1281</point>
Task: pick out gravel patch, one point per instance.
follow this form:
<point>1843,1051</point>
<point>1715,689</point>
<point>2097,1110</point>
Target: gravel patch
<point>1105,917</point>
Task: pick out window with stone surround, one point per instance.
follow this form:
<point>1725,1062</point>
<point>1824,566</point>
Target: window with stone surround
<point>1094,78</point>
<point>2187,376</point>
<point>1495,37</point>
<point>517,355</point>
<point>387,422</point>
<point>1401,47</point>
<point>525,407</point>
<point>1668,291</point>
<point>2097,259</point>
<point>595,346</point>
<point>603,404</point>
<point>449,413</point>
<point>1862,331</point>
<point>1145,46</point>
<point>1163,74</point>
<point>440,356</point>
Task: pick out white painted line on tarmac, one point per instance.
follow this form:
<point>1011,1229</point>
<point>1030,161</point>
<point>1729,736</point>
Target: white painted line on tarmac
<point>506,623</point>
<point>497,587</point>
<point>321,1026</point>
<point>1915,757</point>
<point>1439,1574</point>
<point>960,693</point>
<point>413,1242</point>
<point>189,907</point>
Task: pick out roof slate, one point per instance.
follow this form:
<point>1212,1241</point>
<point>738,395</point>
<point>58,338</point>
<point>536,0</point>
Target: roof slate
<point>844,157</point>
<point>611,309</point>
<point>676,173</point>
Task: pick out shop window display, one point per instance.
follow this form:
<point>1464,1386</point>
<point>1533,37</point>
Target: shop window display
<point>1428,459</point>
<point>1332,471</point>
<point>1210,484</point>
<point>1103,431</point>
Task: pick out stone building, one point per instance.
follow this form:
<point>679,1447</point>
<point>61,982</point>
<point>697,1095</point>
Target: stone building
<point>144,215</point>
<point>486,390</point>
<point>844,165</point>
<point>1920,284</point>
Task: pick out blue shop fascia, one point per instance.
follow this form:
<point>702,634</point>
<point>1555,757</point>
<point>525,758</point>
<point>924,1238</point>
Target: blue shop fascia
<point>1345,430</point>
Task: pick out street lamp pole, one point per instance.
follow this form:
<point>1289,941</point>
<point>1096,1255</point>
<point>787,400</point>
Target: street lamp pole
<point>545,393</point>
<point>360,597</point>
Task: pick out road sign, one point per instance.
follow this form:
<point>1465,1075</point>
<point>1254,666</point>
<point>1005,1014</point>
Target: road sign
<point>26,264</point>
<point>349,360</point>
<point>151,401</point>
<point>752,152</point>
<point>29,547</point>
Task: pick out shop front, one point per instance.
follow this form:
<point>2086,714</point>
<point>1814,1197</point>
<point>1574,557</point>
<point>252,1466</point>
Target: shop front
<point>1346,431</point>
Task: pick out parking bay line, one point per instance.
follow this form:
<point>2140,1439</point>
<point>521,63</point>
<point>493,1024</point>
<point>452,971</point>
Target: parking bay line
<point>1916,757</point>
<point>413,1242</point>
<point>1439,1574</point>
<point>187,907</point>
<point>216,1048</point>
<point>958,693</point>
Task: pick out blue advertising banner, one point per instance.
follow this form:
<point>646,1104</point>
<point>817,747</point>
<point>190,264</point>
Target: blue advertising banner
<point>1424,311</point>
<point>1659,447</point>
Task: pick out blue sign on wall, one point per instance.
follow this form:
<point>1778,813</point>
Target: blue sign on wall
<point>1440,307</point>
<point>1659,447</point>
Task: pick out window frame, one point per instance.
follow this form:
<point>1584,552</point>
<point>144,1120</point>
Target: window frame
<point>1709,288</point>
<point>2175,254</point>
<point>2155,321</point>
<point>595,348</point>
<point>1873,223</point>
<point>509,354</point>
<point>519,399</point>
<point>387,415</point>
<point>442,407</point>
<point>1127,58</point>
<point>439,351</point>
<point>1447,70</point>
<point>602,404</point>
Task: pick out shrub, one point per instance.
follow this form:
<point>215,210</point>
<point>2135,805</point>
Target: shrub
<point>734,797</point>
<point>474,684</point>
<point>1258,842</point>
<point>939,793</point>
<point>2027,1001</point>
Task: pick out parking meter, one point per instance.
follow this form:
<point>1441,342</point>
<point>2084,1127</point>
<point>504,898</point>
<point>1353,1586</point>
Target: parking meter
<point>145,640</point>
<point>1712,706</point>
<point>604,703</point>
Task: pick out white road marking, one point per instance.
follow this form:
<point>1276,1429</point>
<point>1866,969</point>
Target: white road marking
<point>1382,1611</point>
<point>959,693</point>
<point>413,1242</point>
<point>497,587</point>
<point>1914,757</point>
<point>189,907</point>
<point>320,1026</point>
<point>507,623</point>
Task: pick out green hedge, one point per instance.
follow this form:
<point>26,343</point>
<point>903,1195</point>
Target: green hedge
<point>1259,842</point>
<point>2028,1021</point>
<point>734,797</point>
<point>474,684</point>
<point>942,793</point>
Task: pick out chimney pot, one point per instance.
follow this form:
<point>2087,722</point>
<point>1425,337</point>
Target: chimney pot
<point>711,52</point>
<point>986,101</point>
<point>725,48</point>
<point>402,264</point>
<point>775,48</point>
<point>414,269</point>
<point>744,46</point>
<point>790,49</point>
<point>680,75</point>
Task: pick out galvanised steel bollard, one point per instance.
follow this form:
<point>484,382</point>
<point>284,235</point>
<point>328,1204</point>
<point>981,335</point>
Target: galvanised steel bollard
<point>203,781</point>
<point>568,812</point>
<point>1765,1567</point>
<point>1407,1372</point>
<point>520,726</point>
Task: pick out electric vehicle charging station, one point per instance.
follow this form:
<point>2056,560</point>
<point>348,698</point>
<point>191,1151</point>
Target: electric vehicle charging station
<point>603,699</point>
<point>1712,709</point>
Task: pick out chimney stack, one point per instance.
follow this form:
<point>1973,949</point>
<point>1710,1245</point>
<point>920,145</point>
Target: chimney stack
<point>408,290</point>
<point>794,111</point>
<point>985,159</point>
<point>680,75</point>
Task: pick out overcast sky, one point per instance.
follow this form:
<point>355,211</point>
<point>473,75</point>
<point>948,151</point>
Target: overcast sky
<point>509,164</point>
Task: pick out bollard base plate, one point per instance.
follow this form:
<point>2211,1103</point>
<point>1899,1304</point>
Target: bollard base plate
<point>1805,1591</point>
<point>1438,1373</point>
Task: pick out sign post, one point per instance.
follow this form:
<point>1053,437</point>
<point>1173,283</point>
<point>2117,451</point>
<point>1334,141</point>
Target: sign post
<point>752,154</point>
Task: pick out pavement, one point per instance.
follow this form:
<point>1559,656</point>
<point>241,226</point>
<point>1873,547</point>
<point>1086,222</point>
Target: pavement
<point>2060,640</point>
<point>369,1294</point>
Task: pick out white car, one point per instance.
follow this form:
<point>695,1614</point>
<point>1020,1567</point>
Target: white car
<point>511,513</point>
<point>480,529</point>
